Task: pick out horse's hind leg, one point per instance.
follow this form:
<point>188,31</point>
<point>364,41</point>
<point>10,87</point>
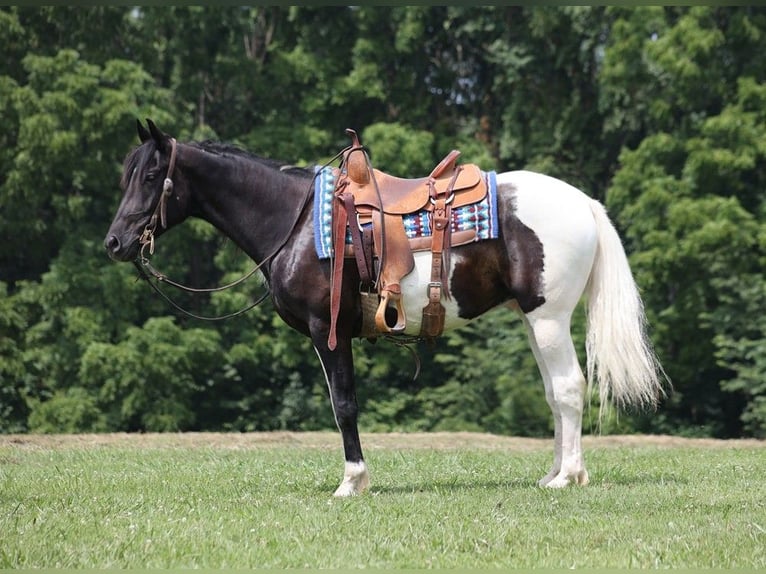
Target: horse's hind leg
<point>556,468</point>
<point>552,345</point>
<point>339,372</point>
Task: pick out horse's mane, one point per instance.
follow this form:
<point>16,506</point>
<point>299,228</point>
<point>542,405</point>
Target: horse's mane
<point>137,159</point>
<point>227,149</point>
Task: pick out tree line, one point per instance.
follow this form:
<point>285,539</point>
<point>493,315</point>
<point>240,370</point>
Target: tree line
<point>659,112</point>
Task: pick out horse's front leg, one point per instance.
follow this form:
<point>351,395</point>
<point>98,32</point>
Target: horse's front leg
<point>338,368</point>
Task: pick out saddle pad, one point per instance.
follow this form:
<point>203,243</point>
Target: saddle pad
<point>481,216</point>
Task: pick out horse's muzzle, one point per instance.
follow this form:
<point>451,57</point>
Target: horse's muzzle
<point>119,252</point>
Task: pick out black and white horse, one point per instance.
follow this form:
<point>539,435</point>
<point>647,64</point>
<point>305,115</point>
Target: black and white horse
<point>554,246</point>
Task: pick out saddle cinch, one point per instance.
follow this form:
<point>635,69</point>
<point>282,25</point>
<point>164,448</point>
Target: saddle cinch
<point>369,205</point>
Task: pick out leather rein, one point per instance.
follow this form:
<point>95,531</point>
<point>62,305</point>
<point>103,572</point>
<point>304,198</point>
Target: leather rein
<point>147,270</point>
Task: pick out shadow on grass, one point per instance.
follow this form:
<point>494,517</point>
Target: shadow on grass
<point>600,481</point>
<point>451,486</point>
<point>639,479</point>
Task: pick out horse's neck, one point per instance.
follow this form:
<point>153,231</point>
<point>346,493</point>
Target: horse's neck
<point>251,203</point>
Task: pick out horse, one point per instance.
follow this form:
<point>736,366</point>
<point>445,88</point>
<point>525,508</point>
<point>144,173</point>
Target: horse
<point>555,245</point>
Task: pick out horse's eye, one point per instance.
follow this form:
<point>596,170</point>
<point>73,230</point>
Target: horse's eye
<point>151,175</point>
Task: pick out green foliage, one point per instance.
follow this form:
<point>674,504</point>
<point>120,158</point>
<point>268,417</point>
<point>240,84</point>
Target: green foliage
<point>480,377</point>
<point>741,317</point>
<point>71,411</point>
<point>659,111</point>
<point>399,149</point>
<point>689,203</point>
<point>149,381</point>
<point>71,122</point>
<point>13,411</point>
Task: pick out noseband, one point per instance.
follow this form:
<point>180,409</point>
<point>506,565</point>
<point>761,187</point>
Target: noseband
<point>160,211</point>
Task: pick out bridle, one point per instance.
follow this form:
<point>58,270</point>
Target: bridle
<point>160,210</point>
<point>146,241</point>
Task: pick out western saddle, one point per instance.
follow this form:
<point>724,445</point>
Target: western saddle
<point>369,205</point>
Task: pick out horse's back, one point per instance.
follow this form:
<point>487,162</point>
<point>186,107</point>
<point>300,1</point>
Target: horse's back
<point>545,203</point>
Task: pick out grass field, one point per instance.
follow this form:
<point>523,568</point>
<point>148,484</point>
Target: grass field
<point>437,500</point>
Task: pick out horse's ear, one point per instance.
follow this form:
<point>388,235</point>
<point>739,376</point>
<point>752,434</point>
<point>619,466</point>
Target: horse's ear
<point>143,133</point>
<point>160,138</point>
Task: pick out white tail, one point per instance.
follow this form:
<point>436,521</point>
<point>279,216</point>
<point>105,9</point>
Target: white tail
<point>620,356</point>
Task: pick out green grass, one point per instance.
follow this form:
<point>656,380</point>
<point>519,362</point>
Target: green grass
<point>200,506</point>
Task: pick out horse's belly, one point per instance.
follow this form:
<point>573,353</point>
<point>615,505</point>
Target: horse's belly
<point>415,295</point>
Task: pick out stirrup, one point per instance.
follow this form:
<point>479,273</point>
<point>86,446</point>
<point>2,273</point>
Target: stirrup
<point>391,295</point>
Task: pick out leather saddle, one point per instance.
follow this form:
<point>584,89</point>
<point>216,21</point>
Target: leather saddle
<point>369,205</point>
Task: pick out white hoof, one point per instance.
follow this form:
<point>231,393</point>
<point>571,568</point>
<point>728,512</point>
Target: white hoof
<point>563,479</point>
<point>356,479</point>
<point>548,477</point>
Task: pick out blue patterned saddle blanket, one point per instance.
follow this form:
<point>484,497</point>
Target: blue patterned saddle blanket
<point>481,216</point>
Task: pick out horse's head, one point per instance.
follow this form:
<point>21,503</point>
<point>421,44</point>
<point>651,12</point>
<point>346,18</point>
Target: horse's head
<point>151,202</point>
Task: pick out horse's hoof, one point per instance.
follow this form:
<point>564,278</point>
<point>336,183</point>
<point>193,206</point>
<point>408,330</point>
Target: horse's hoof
<point>547,478</point>
<point>563,480</point>
<point>345,490</point>
<point>356,479</point>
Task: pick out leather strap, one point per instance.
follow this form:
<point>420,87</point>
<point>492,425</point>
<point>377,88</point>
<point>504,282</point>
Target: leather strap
<point>363,262</point>
<point>369,255</point>
<point>434,313</point>
<point>441,227</point>
<point>339,221</point>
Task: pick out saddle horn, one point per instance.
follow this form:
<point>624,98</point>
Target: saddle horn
<point>357,163</point>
